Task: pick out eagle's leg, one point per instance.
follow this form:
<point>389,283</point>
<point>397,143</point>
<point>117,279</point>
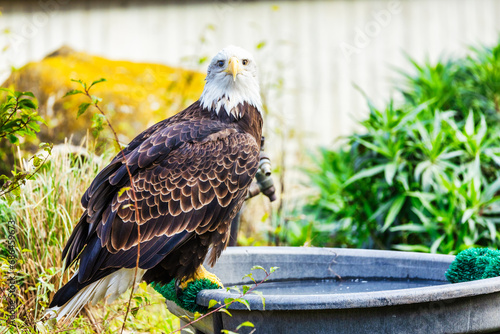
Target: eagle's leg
<point>200,273</point>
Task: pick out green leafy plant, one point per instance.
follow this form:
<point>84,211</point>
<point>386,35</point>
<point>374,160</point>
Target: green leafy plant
<point>19,119</point>
<point>423,176</point>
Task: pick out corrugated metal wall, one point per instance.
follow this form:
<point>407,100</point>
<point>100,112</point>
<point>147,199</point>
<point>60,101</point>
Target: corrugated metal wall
<point>318,48</point>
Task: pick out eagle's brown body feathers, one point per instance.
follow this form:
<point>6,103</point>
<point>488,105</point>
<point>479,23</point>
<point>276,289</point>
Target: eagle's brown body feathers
<point>190,174</point>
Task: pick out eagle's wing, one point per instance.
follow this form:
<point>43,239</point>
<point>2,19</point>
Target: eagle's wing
<point>187,181</point>
<point>102,191</point>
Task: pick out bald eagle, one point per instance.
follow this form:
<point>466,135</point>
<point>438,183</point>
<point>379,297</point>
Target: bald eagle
<point>190,174</point>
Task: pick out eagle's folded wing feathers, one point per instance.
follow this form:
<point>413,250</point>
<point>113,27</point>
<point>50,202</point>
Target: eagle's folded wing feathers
<point>172,199</point>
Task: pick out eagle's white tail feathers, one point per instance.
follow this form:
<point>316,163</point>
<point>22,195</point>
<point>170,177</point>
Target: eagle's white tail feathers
<point>109,288</point>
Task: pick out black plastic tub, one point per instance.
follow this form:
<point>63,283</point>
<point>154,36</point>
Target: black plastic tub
<point>329,290</point>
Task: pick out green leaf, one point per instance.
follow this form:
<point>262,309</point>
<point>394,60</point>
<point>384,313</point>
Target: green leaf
<point>225,311</point>
<point>7,90</point>
<point>82,108</point>
<point>423,196</point>
<point>34,126</point>
<point>412,248</point>
<point>30,94</point>
<point>261,295</point>
<point>258,267</point>
<point>202,60</point>
<point>37,161</point>
<point>393,211</point>
<point>98,122</point>
<point>106,316</point>
<point>273,269</point>
<point>244,302</point>
<point>382,150</point>
<point>96,82</point>
<point>185,318</point>
<point>491,228</point>
<point>483,129</point>
<point>435,245</point>
<point>212,303</point>
<point>469,124</point>
<point>245,324</point>
<point>381,209</point>
<point>365,173</point>
<point>491,190</point>
<point>13,139</point>
<point>25,103</point>
<point>467,215</point>
<point>245,289</point>
<point>47,147</point>
<point>412,114</point>
<point>389,172</point>
<point>73,92</point>
<point>83,84</point>
<point>409,228</point>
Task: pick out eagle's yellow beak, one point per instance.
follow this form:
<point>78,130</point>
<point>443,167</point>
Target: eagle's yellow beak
<point>234,67</point>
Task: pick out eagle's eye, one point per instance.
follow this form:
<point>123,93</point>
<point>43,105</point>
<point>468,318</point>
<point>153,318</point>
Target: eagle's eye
<point>220,63</point>
<point>244,62</point>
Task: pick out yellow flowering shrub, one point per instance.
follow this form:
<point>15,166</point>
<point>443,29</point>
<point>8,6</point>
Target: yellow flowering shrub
<point>135,95</point>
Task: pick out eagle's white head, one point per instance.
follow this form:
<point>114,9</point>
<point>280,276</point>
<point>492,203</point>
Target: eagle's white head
<point>231,80</point>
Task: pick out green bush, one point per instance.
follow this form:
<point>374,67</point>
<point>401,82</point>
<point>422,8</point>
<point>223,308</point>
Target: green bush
<point>424,175</point>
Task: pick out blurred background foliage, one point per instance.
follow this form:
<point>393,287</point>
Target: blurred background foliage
<point>423,175</point>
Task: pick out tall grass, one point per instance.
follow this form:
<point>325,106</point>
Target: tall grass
<point>45,213</point>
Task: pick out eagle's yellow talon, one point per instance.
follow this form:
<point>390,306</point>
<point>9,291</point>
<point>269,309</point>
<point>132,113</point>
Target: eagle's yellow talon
<point>201,273</point>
